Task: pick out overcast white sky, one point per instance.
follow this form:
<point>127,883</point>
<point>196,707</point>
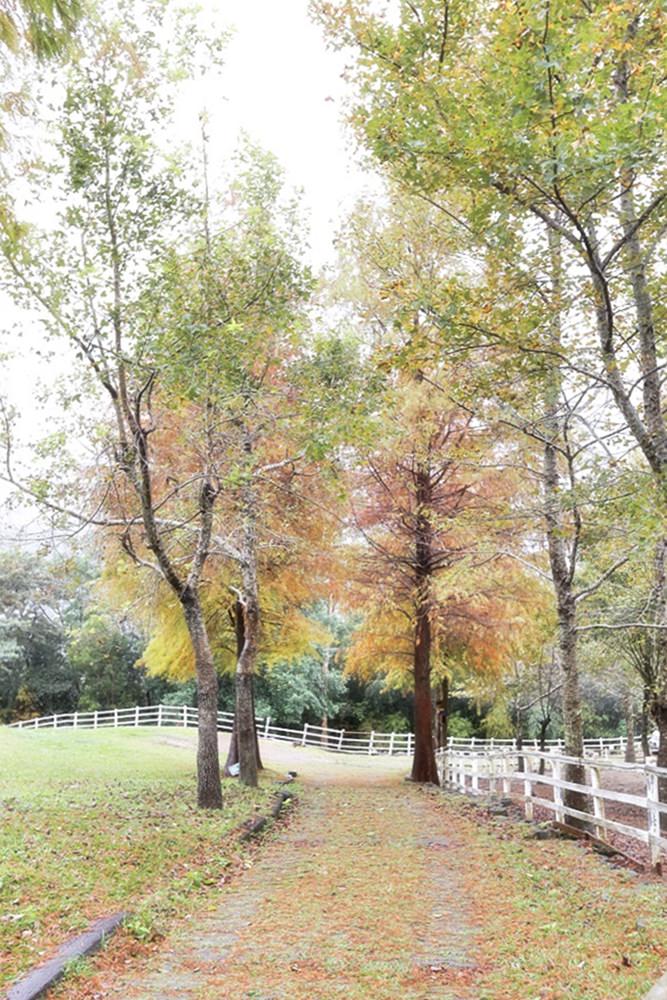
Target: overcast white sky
<point>284,88</point>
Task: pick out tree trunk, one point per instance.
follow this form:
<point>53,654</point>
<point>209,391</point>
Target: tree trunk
<point>246,734</point>
<point>260,765</point>
<point>659,695</point>
<point>209,790</point>
<point>233,751</point>
<point>572,718</point>
<point>630,756</point>
<point>325,696</point>
<point>562,558</point>
<point>646,721</point>
<point>545,722</point>
<point>424,764</point>
<point>518,736</point>
<point>442,715</point>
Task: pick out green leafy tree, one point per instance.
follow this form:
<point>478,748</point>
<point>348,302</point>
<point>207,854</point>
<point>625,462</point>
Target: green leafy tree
<point>104,656</point>
<point>95,279</point>
<point>545,122</point>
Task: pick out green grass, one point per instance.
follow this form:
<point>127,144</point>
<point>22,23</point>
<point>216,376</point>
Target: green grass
<point>94,822</point>
<point>559,922</point>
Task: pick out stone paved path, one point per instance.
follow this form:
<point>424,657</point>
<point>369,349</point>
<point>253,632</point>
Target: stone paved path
<point>359,897</point>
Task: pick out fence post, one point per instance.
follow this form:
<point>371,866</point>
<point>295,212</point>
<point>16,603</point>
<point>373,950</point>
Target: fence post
<point>95,717</point>
<point>370,742</point>
<point>185,716</point>
<point>341,734</point>
<point>506,771</point>
<point>305,734</point>
<point>76,719</point>
<point>474,781</point>
<point>409,743</point>
<point>528,788</point>
<point>136,715</point>
<point>267,723</point>
<point>493,785</point>
<point>115,718</point>
<point>159,714</point>
<point>598,802</point>
<point>653,814</point>
<point>556,774</point>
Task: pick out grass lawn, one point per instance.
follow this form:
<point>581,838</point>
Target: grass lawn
<point>558,922</point>
<point>94,822</point>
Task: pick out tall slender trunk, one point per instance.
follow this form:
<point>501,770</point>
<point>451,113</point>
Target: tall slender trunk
<point>562,558</point>
<point>646,720</point>
<point>518,736</point>
<point>326,659</point>
<point>209,791</point>
<point>658,695</point>
<point>245,714</point>
<point>424,766</point>
<point>545,722</point>
<point>628,700</point>
<point>442,716</point>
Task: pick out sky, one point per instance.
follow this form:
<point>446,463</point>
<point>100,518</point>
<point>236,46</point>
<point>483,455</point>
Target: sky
<point>284,89</point>
<point>283,86</point>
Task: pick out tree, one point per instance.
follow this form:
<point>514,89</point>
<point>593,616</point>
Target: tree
<point>98,280</point>
<point>424,513</point>
<point>35,601</point>
<point>41,27</point>
<point>104,657</point>
<point>549,118</point>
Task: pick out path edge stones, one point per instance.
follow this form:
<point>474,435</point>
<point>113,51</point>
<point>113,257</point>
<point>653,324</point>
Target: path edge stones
<point>44,976</point>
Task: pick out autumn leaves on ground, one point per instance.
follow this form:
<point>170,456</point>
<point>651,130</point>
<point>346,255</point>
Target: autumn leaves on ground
<point>371,887</point>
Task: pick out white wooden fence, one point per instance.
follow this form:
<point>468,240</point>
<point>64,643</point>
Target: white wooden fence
<point>336,740</point>
<point>607,746</point>
<point>498,772</point>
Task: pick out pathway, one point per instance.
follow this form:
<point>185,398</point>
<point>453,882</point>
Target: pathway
<point>360,896</point>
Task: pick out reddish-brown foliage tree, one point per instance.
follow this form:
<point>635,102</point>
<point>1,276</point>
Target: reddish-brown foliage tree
<point>430,517</point>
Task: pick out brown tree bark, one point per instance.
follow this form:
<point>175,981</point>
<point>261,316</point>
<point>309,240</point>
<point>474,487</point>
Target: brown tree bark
<point>424,766</point>
<point>245,708</point>
<point>442,716</point>
<point>233,750</point>
<point>545,722</point>
<point>646,721</point>
<point>630,756</point>
<point>562,557</point>
<point>209,791</point>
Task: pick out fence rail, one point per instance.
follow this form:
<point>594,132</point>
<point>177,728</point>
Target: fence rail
<point>326,738</point>
<point>336,740</point>
<point>607,746</point>
<point>530,775</point>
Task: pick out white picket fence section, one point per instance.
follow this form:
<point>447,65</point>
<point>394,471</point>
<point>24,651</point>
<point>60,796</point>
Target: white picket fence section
<point>335,740</point>
<point>607,746</point>
<point>515,774</point>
